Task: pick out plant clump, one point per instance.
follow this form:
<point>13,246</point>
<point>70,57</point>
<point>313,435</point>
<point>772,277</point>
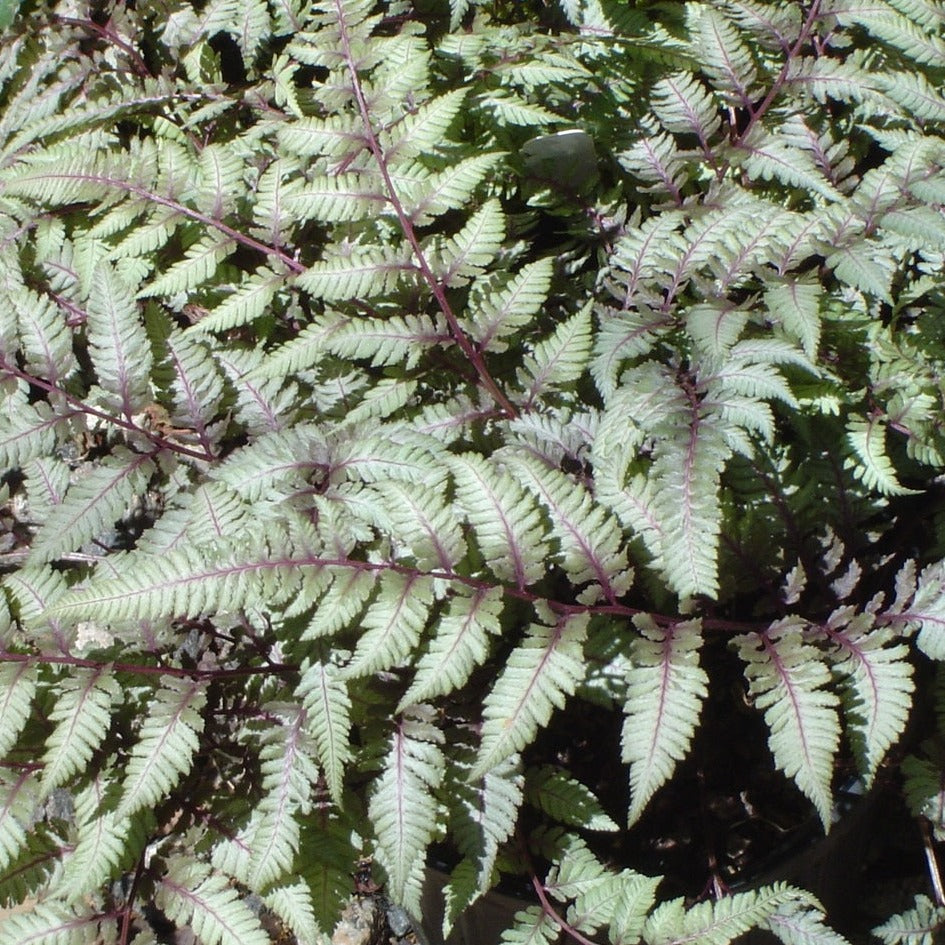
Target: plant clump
<point>385,386</point>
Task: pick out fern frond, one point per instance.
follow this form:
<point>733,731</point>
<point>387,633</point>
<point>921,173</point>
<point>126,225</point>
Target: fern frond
<point>878,686</point>
<point>787,680</point>
<point>19,798</point>
<point>539,675</point>
<point>287,775</point>
<point>27,431</point>
<point>190,895</point>
<point>422,130</point>
<point>798,922</point>
<point>93,504</point>
<point>683,105</point>
<point>104,844</point>
<point>340,199</point>
<point>199,263</point>
<point>920,925</point>
<point>43,334</point>
<point>428,196</point>
<point>466,254</point>
<point>82,715</point>
<point>501,310</point>
<point>591,544</point>
<point>403,808</point>
<point>49,923</point>
<point>765,156</point>
<point>424,524</point>
<point>716,922</point>
<point>686,505</point>
<point>219,180</point>
<point>197,385</point>
<point>725,58</point>
<point>17,689</point>
<point>220,577</point>
<point>347,595</point>
<point>870,462</point>
<point>358,272</point>
<point>118,343</point>
<point>559,359</point>
<point>324,694</point>
<point>796,305</point>
<point>506,524</point>
<point>208,514</point>
<point>460,643</point>
<point>921,603</point>
<point>666,687</point>
<point>34,591</point>
<point>247,302</point>
<point>566,800</point>
<point>293,906</point>
<point>393,623</point>
<point>166,744</point>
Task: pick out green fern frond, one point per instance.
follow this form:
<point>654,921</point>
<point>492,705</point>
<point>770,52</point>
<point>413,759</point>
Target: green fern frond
<point>686,506</point>
<point>591,546</point>
<point>426,196</point>
<point>392,624</point>
<point>666,687</point>
<point>684,106</point>
<point>292,904</point>
<point>247,302</point>
<point>507,525</point>
<point>118,343</point>
<point>166,744</point>
<point>340,199</point>
<point>198,264</point>
<point>422,130</point>
<point>460,643</point>
<point>287,775</point>
<point>82,716</point>
<point>765,156</point>
<point>49,923</point>
<point>799,922</point>
<point>17,689</point>
<point>190,895</point>
<point>403,807</point>
<point>870,462</point>
<point>19,798</point>
<point>920,925</point>
<point>559,359</point>
<point>500,310</point>
<point>787,681</point>
<point>716,922</point>
<point>459,258</point>
<point>104,843</point>
<point>538,676</point>
<point>878,686</point>
<point>27,432</point>
<point>725,58</point>
<point>92,504</point>
<point>324,694</point>
<point>358,272</point>
<point>531,926</point>
<point>566,800</point>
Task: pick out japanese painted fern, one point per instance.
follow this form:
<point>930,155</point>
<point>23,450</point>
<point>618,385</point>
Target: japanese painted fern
<point>348,449</point>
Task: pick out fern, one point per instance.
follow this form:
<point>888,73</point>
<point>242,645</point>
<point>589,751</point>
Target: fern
<point>403,808</point>
<point>165,746</point>
<point>657,732</point>
<point>389,389</point>
<point>800,712</point>
<point>538,677</point>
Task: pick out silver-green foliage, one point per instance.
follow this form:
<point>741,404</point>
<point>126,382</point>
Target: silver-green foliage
<point>334,482</point>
